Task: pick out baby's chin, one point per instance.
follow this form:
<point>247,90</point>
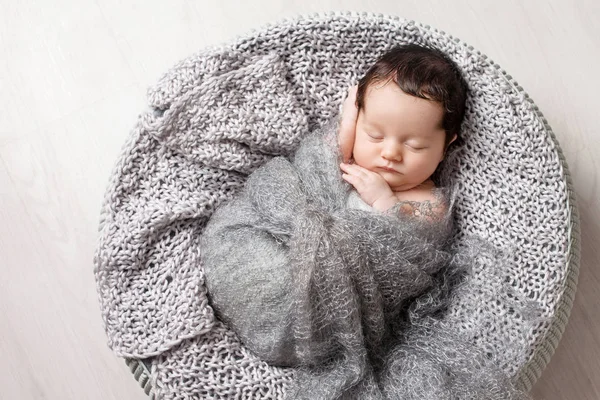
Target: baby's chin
<point>397,184</point>
<point>403,187</point>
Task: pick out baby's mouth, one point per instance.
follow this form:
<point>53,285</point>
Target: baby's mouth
<point>388,169</point>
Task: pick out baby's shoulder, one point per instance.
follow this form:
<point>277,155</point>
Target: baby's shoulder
<point>425,200</point>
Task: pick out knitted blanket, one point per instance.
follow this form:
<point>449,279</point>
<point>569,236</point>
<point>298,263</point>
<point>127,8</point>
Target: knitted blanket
<point>306,282</point>
<point>219,115</point>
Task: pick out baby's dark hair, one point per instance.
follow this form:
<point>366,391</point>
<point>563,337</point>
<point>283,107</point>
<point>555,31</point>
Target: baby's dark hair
<point>425,73</point>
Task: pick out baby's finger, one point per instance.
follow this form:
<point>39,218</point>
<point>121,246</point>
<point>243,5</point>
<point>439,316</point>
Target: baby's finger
<point>348,178</point>
<point>361,172</point>
<point>353,169</point>
<point>353,180</point>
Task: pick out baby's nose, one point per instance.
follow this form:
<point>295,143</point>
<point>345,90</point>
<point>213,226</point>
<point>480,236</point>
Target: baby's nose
<point>392,153</point>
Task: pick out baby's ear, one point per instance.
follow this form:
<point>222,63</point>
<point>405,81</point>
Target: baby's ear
<point>452,140</point>
<point>446,148</point>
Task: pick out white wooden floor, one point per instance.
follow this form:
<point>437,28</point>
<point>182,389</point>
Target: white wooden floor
<point>73,75</point>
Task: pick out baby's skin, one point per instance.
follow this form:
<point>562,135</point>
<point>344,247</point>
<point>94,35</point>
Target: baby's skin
<point>391,148</point>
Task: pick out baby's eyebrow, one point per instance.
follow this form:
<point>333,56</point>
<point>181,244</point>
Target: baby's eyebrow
<point>372,124</point>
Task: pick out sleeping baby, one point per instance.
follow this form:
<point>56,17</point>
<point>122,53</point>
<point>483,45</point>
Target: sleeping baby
<point>398,124</point>
<point>326,267</point>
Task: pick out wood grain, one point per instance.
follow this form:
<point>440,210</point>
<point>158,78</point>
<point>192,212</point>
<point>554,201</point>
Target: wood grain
<point>73,76</point>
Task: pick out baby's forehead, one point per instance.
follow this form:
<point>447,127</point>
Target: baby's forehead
<point>394,118</point>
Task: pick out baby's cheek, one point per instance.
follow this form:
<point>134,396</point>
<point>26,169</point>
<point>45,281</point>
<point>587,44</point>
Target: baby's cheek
<point>362,157</point>
<point>424,165</point>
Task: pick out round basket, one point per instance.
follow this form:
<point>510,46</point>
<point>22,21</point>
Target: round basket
<point>516,193</point>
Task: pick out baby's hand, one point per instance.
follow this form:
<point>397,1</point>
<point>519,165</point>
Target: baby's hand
<point>371,186</point>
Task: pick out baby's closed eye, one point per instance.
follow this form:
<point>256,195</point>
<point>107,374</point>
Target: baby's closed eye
<point>416,147</point>
<point>375,136</point>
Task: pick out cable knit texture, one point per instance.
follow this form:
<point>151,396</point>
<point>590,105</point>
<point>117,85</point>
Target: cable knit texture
<point>217,116</point>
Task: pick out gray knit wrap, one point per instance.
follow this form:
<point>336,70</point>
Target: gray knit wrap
<point>339,294</point>
<point>218,115</point>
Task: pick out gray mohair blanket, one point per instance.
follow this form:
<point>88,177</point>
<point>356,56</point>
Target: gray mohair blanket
<point>348,298</point>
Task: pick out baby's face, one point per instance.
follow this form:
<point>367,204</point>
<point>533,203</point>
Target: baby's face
<point>399,136</point>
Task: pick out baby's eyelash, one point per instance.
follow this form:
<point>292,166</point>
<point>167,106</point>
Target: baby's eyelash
<point>372,136</point>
